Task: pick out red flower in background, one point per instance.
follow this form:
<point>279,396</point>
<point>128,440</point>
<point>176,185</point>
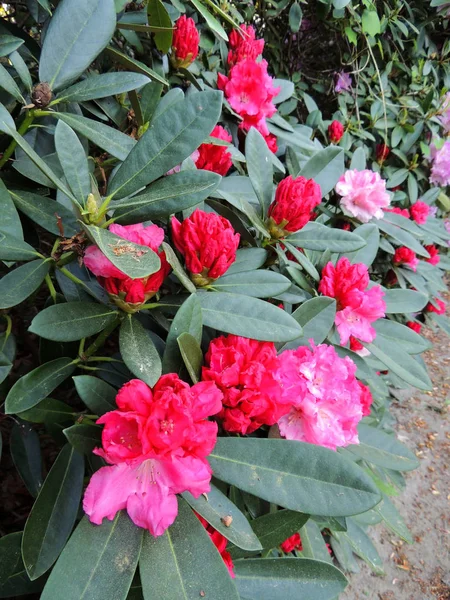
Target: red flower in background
<point>244,45</point>
<point>398,211</point>
<point>434,254</point>
<point>292,543</point>
<point>295,200</point>
<point>366,399</point>
<point>208,243</point>
<point>185,42</point>
<point>439,310</point>
<point>212,157</point>
<point>335,132</point>
<point>220,542</point>
<point>417,327</point>
<point>405,256</point>
<point>419,212</point>
<point>382,152</point>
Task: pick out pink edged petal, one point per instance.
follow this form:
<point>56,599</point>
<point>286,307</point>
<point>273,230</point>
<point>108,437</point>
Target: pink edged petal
<point>208,399</point>
<point>154,510</point>
<point>189,473</point>
<point>101,266</point>
<point>135,396</point>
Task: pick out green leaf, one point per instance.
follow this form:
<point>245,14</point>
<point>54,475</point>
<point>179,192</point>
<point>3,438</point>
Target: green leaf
<point>409,340</point>
<point>149,99</point>
<point>9,85</point>
<point>275,579</point>
<point>191,354</point>
<point>134,65</point>
<point>404,301</point>
<point>404,238</point>
<point>14,580</point>
<point>188,319</point>
<point>259,166</point>
<point>73,161</point>
<point>71,321</point>
<point>383,450</point>
<point>258,284</point>
<point>248,317</point>
<point>159,17</point>
<point>171,138</point>
<point>22,70</point>
<point>78,31</point>
<point>371,22</point>
<point>50,410</point>
<point>393,519</point>
<point>33,387</point>
<point>113,141</point>
<point>248,259</point>
<point>102,86</point>
<point>325,167</point>
<point>12,248</point>
<point>313,544</point>
<point>315,236</point>
<point>103,557</point>
<point>18,285</point>
<point>295,17</point>
<point>182,564</point>
<point>362,546</point>
<point>84,438</point>
<point>134,260</point>
<point>53,515</point>
<point>167,196</point>
<point>214,507</point>
<point>45,212</point>
<point>99,396</point>
<point>10,217</point>
<point>138,351</point>
<point>316,316</point>
<point>6,120</point>
<point>211,21</point>
<point>177,269</point>
<point>295,475</point>
<point>9,43</point>
<point>26,454</point>
<point>371,234</point>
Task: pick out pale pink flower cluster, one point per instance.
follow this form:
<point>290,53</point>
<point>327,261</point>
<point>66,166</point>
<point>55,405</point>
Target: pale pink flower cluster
<point>440,170</point>
<point>363,194</point>
<point>328,400</point>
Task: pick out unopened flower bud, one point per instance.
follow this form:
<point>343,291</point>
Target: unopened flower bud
<point>185,43</point>
<point>41,95</point>
<point>335,132</point>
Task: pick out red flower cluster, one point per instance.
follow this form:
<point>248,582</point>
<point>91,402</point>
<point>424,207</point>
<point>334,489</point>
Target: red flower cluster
<point>208,243</point>
<point>439,310</point>
<point>335,132</point>
<point>405,256</point>
<point>220,542</point>
<point>398,211</point>
<point>295,200</point>
<point>417,327</point>
<point>185,43</point>
<point>419,212</point>
<point>434,254</point>
<point>212,157</point>
<point>243,370</point>
<point>244,45</point>
<point>292,543</point>
<point>382,152</point>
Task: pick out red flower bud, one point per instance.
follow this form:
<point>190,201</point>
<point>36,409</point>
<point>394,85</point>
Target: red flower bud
<point>185,42</point>
<point>382,152</point>
<point>405,256</point>
<point>335,132</point>
<point>434,254</point>
<point>295,200</point>
<point>215,158</point>
<point>441,306</point>
<point>292,543</point>
<point>414,326</point>
<point>244,45</point>
<point>208,243</point>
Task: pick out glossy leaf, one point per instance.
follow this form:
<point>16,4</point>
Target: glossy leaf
<point>19,284</point>
<point>101,86</point>
<point>73,161</point>
<point>9,43</point>
<point>53,514</point>
<point>84,438</point>
<point>14,580</point>
<point>159,17</point>
<point>50,410</point>
<point>46,212</point>
<point>12,248</point>
<point>191,354</point>
<point>26,454</point>
<point>10,218</point>
<point>134,65</point>
<point>8,84</point>
<point>6,120</point>
<point>188,319</point>
<point>138,351</point>
<point>258,284</point>
<point>99,396</point>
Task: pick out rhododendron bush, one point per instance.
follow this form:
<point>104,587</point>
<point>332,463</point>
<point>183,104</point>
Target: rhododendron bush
<point>207,297</point>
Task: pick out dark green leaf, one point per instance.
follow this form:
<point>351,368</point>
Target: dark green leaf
<point>73,161</point>
<point>45,212</point>
<point>313,543</point>
<point>84,438</point>
<point>18,285</point>
<point>135,65</point>
<point>8,84</point>
<point>138,351</point>
<point>191,354</point>
<point>26,454</point>
<point>99,396</point>
<point>177,269</point>
<point>12,248</point>
<point>6,120</point>
<point>188,319</point>
<point>101,86</point>
<point>9,43</point>
<point>159,17</point>
<point>248,259</point>
<point>14,580</point>
<point>10,218</point>
<point>50,410</point>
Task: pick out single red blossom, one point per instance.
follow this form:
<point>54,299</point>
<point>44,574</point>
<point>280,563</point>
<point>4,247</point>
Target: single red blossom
<point>271,141</point>
<point>244,45</point>
<point>295,200</point>
<point>405,256</point>
<point>419,212</point>
<point>404,212</point>
<point>212,157</point>
<point>292,543</point>
<point>439,309</point>
<point>366,399</point>
<point>220,542</point>
<point>335,132</point>
<point>382,152</point>
<point>414,325</point>
<point>208,243</point>
<point>185,43</point>
<point>434,254</point>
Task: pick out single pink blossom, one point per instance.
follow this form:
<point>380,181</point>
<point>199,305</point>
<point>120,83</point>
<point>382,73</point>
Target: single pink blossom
<point>440,170</point>
<point>363,194</point>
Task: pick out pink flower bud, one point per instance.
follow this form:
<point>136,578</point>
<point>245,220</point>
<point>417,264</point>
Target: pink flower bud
<point>185,43</point>
<point>335,132</point>
<point>419,212</point>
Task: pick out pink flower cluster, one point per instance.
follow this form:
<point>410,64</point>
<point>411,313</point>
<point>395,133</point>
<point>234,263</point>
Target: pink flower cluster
<point>406,256</point>
<point>419,212</point>
<point>440,170</point>
<point>357,306</point>
<point>156,443</point>
<point>434,254</point>
<point>244,45</point>
<point>363,194</point>
<point>212,157</point>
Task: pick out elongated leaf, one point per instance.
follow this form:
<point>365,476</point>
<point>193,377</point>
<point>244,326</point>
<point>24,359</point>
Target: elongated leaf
<point>138,351</point>
<point>316,316</point>
<point>404,301</point>
<point>73,161</point>
<point>46,212</point>
<point>404,238</point>
<point>12,248</point>
<point>188,319</point>
<point>371,234</point>
<point>211,21</point>
<point>248,259</point>
<point>103,557</point>
<point>99,396</point>
<point>258,284</point>
<point>10,218</point>
<point>50,410</point>
<point>275,579</point>
<point>84,438</point>
<point>159,17</point>
<point>26,454</point>
<point>295,475</point>
<point>408,339</point>
<point>393,519</point>
<point>135,65</point>
<point>171,138</point>
<point>362,546</point>
<point>8,84</point>
<point>167,196</point>
<point>215,508</point>
<point>132,259</point>
<point>22,70</point>
<point>192,355</point>
<point>78,31</point>
<point>53,515</point>
<point>113,141</point>
<point>71,321</point>
<point>325,167</point>
<point>315,236</point>
<point>177,268</point>
<point>6,120</point>
<point>383,450</point>
<point>101,86</point>
<point>17,285</point>
<point>246,316</point>
<point>33,387</point>
<point>14,580</point>
<point>259,165</point>
<point>313,544</point>
<point>9,43</point>
<point>182,564</point>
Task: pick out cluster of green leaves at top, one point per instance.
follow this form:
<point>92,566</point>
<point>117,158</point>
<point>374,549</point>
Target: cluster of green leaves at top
<point>79,163</point>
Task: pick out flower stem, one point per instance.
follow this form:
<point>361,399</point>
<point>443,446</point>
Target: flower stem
<point>101,339</point>
<point>51,287</point>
